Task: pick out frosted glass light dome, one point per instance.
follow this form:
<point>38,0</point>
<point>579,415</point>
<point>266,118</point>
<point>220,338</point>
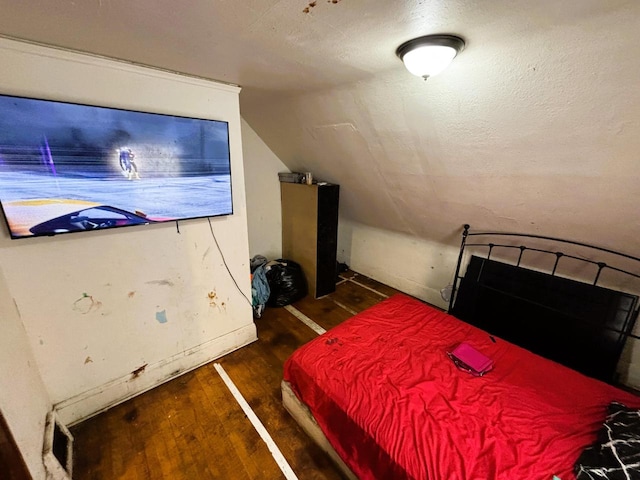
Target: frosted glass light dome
<point>429,55</point>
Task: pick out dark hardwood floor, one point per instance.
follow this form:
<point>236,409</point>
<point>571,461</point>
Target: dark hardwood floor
<point>193,428</point>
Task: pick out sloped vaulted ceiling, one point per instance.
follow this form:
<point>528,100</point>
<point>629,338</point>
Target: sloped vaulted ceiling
<point>534,127</point>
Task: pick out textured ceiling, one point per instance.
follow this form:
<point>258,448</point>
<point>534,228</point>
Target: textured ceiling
<point>534,127</point>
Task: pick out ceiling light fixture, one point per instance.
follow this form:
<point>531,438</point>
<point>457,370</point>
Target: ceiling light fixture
<point>429,55</point>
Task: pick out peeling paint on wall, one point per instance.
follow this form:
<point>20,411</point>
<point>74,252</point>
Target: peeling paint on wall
<point>167,283</point>
<point>213,299</point>
<point>138,371</point>
<point>161,317</point>
<point>85,304</point>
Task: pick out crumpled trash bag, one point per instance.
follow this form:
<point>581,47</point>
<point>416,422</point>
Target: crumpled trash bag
<point>286,281</point>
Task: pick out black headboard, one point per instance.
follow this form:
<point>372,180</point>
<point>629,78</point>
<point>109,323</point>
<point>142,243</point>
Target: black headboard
<point>583,326</point>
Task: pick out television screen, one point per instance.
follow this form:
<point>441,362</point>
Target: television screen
<point>66,167</point>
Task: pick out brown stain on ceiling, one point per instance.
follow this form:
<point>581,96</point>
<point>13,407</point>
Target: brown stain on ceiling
<point>311,5</point>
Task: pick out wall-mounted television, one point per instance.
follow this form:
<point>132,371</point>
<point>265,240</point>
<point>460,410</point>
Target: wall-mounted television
<point>66,167</point>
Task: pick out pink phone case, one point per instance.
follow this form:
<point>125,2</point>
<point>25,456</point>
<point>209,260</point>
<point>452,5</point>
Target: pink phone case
<point>464,355</point>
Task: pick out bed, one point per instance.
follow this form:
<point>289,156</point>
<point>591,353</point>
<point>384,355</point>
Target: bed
<point>383,398</point>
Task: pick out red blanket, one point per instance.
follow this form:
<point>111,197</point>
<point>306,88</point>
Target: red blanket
<point>394,406</point>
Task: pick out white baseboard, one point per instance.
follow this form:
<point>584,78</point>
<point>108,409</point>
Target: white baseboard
<point>99,399</point>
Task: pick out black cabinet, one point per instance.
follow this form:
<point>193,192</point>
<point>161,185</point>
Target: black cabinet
<point>310,232</point>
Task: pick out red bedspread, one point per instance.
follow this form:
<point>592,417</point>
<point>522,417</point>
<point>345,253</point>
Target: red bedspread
<point>394,406</point>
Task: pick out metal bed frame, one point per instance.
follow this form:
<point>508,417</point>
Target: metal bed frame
<point>499,240</point>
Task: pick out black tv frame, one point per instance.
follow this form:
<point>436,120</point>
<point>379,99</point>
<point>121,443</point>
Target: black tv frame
<point>69,167</point>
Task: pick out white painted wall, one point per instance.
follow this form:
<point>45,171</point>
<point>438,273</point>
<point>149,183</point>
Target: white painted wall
<point>261,168</point>
<point>89,301</point>
<point>24,401</point>
<point>412,265</point>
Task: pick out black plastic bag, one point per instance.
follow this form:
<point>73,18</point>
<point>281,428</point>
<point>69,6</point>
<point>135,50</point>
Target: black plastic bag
<point>286,282</point>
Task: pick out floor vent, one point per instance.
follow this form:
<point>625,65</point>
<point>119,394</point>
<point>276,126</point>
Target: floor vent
<point>58,449</point>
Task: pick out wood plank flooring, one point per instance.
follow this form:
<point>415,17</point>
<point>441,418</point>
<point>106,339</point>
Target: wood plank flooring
<point>193,428</point>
